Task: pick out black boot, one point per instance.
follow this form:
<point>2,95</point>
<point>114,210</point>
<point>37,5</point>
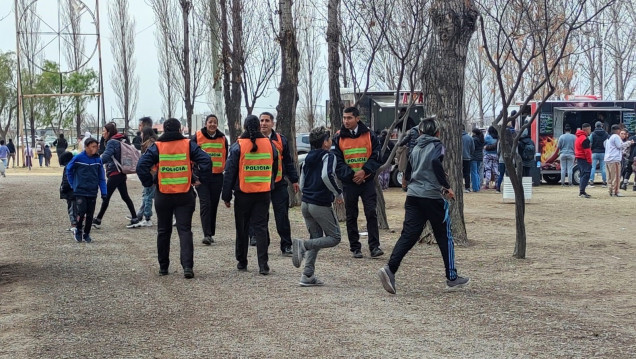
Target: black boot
<point>624,186</point>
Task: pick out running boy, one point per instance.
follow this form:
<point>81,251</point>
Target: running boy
<point>85,173</point>
<point>425,202</point>
<point>319,188</point>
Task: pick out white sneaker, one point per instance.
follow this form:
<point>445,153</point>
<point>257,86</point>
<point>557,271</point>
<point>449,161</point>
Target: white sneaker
<point>146,223</point>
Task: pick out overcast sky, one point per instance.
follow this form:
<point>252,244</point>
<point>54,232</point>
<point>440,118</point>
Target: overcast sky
<point>149,102</point>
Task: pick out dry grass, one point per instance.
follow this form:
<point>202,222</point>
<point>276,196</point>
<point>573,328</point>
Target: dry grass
<point>571,298</point>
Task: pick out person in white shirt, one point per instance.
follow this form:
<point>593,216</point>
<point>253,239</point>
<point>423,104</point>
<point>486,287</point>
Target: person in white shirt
<point>614,147</point>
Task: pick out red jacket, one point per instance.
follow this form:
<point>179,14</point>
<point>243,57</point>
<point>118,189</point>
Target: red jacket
<point>582,148</point>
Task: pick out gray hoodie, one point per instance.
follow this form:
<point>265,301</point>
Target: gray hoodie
<point>427,176</point>
<point>468,146</point>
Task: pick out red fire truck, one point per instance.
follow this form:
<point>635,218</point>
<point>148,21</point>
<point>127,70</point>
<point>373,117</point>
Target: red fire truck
<point>575,111</point>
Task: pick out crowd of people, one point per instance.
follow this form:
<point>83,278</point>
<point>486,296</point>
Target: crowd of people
<point>250,174</point>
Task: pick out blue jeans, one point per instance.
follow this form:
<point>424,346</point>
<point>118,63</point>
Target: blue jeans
<point>475,177</point>
<point>147,195</point>
<point>598,158</point>
<point>502,173</point>
<point>567,164</point>
<point>584,173</point>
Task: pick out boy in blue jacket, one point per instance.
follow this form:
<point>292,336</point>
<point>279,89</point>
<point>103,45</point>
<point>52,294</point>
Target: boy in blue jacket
<point>85,173</point>
<point>320,189</point>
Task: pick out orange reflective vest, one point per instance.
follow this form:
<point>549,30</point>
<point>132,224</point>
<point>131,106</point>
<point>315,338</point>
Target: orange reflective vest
<point>356,151</point>
<point>216,149</point>
<point>279,147</point>
<point>255,168</point>
<point>174,171</point>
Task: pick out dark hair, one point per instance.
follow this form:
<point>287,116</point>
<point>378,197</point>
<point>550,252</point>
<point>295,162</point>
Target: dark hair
<point>318,136</point>
<point>10,141</point>
<point>111,128</point>
<point>462,127</point>
<point>65,158</point>
<point>171,125</point>
<point>567,128</point>
<point>1,142</point>
<point>492,131</point>
<point>428,127</point>
<point>615,127</point>
<point>477,132</point>
<point>90,140</point>
<point>252,126</point>
<point>211,115</point>
<point>139,133</point>
<point>147,133</point>
<point>146,121</point>
<point>61,135</point>
<point>352,110</point>
<point>586,125</point>
<point>267,114</point>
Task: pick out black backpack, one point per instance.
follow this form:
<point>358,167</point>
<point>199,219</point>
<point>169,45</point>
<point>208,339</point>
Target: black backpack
<point>526,150</point>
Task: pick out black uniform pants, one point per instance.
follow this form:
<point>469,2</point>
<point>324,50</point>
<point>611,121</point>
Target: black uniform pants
<point>417,211</point>
<point>182,207</point>
<point>366,191</point>
<point>117,182</point>
<point>84,209</point>
<point>466,173</point>
<point>251,210</point>
<point>280,204</point>
<point>209,196</point>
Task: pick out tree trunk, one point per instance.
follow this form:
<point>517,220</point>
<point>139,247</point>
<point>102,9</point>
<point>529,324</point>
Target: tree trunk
<point>186,6</point>
<point>453,23</point>
<point>508,147</point>
<point>333,54</point>
<point>288,88</point>
<point>380,208</point>
<point>232,67</point>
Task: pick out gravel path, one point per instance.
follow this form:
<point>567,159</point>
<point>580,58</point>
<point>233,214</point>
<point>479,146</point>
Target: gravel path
<point>61,299</point>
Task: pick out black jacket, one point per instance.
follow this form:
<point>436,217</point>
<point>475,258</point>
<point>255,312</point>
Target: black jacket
<point>343,171</point>
<point>598,138</point>
<point>150,158</point>
<point>66,191</point>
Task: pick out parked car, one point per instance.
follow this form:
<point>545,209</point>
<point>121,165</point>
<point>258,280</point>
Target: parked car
<point>302,143</point>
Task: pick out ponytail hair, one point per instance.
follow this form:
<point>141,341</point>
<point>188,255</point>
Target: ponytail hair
<point>252,126</point>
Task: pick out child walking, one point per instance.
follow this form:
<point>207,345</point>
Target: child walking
<point>85,173</point>
<point>319,188</point>
<point>66,191</point>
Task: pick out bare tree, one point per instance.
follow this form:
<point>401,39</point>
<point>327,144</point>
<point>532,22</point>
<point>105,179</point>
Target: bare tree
<point>621,48</point>
<point>75,48</point>
<point>124,81</point>
<point>167,72</point>
<point>29,25</point>
<point>453,23</point>
<point>333,64</point>
<point>526,34</point>
<point>233,62</point>
<point>261,54</point>
<point>186,36</point>
<point>311,81</point>
<point>213,21</point>
<point>8,92</point>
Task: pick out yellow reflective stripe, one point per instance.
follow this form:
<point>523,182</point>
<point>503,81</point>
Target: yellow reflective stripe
<point>211,145</point>
<point>257,156</point>
<point>257,179</point>
<point>216,164</point>
<point>354,151</point>
<point>175,157</point>
<point>177,180</point>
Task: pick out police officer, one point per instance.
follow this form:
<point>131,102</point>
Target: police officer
<point>214,143</point>
<point>357,153</point>
<point>174,156</point>
<point>250,172</point>
<point>280,196</point>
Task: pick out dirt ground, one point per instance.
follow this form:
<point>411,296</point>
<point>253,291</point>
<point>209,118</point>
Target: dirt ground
<point>571,298</point>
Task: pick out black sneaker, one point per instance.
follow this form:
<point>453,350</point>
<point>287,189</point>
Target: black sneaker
<point>134,223</point>
<point>459,282</point>
<point>286,252</point>
<point>77,235</point>
<point>590,184</point>
<point>97,223</point>
<point>242,266</point>
<point>624,186</point>
<point>310,281</point>
<point>604,185</point>
<point>387,278</point>
<point>87,238</point>
<point>207,240</point>
<point>357,254</point>
<point>253,241</point>
<point>584,195</point>
<point>634,189</point>
<point>188,273</point>
<point>264,270</point>
<point>163,272</point>
<point>376,252</point>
